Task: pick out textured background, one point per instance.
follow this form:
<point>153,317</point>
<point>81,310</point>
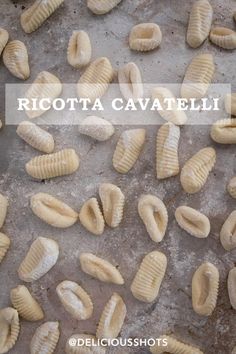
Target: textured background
<point>125,246</point>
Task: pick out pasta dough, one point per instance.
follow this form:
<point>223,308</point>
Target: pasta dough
<point>41,257</point>
<point>91,217</point>
<point>230,104</point>
<point>100,269</point>
<point>101,7</point>
<point>228,232</point>
<point>4,245</point>
<point>224,131</point>
<point>192,221</point>
<point>130,82</point>
<point>84,349</point>
<point>173,346</point>
<point>195,172</point>
<point>231,283</point>
<point>15,58</point>
<point>52,210</point>
<point>128,149</point>
<point>154,215</point>
<point>9,329</point>
<point>97,128</point>
<point>4,36</point>
<point>199,23</point>
<point>223,37</point>
<point>79,49</point>
<point>75,300</point>
<point>145,37</point>
<point>205,284</point>
<point>231,188</point>
<point>3,209</point>
<point>45,338</point>
<point>147,281</point>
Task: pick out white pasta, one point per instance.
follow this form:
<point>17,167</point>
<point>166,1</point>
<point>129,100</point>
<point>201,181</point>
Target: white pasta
<point>91,217</point>
<point>3,209</point>
<point>130,82</point>
<point>45,338</point>
<point>100,269</point>
<point>84,349</point>
<point>230,104</point>
<point>52,210</point>
<point>153,213</point>
<point>192,221</point>
<point>231,187</point>
<point>4,36</point>
<point>231,283</point>
<point>145,37</point>
<point>171,345</point>
<point>97,128</point>
<point>223,37</point>
<point>75,300</point>
<point>79,49</point>
<point>4,245</point>
<point>40,258</point>
<point>15,58</point>
<point>228,232</point>
<point>9,329</point>
<point>101,7</point>
<point>224,131</point>
<point>35,136</point>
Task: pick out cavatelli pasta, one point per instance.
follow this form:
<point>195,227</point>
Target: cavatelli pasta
<point>173,346</point>
<point>223,37</point>
<point>45,338</point>
<point>130,82</point>
<point>145,37</point>
<point>15,58</point>
<point>4,36</point>
<point>79,49</point>
<point>84,349</point>
<point>231,187</point>
<point>230,103</point>
<point>192,221</point>
<point>97,128</point>
<point>4,245</point>
<point>224,131</point>
<point>231,284</point>
<point>3,209</point>
<point>91,217</point>
<point>9,329</point>
<point>101,7</point>
<point>228,232</point>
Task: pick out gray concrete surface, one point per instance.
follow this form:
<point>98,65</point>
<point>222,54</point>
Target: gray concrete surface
<point>125,246</point>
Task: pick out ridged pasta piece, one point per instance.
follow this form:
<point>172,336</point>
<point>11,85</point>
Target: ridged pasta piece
<point>3,209</point>
<point>84,349</point>
<point>154,215</point>
<point>64,162</point>
<point>147,281</point>
<point>27,307</point>
<point>130,82</point>
<point>145,37</point>
<point>45,338</point>
<point>199,23</point>
<point>198,77</point>
<point>9,329</point>
<point>52,210</point>
<point>192,221</point>
<point>15,58</point>
<point>128,149</point>
<point>195,172</point>
<point>91,217</point>
<point>228,232</point>
<point>173,346</point>
<point>40,258</point>
<point>230,103</point>
<point>223,37</point>
<point>33,17</point>
<point>224,131</point>
<point>4,245</point>
<point>100,268</point>
<point>112,318</point>
<point>231,284</point>
<point>231,187</point>
<point>35,136</point>
<point>4,36</point>
<point>95,80</point>
<point>75,300</point>
<point>167,161</point>
<point>46,86</point>
<point>97,128</point>
<point>79,49</point>
<point>101,7</point>
<point>205,284</point>
<point>113,201</point>
<point>170,113</point>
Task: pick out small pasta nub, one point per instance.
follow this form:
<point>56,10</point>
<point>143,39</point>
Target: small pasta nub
<point>192,221</point>
<point>228,232</point>
<point>224,131</point>
<point>231,284</point>
<point>223,37</point>
<point>130,82</point>
<point>231,187</point>
<point>4,245</point>
<point>45,338</point>
<point>171,345</point>
<point>15,58</point>
<point>145,37</point>
<point>4,36</point>
<point>3,209</point>
<point>97,128</point>
<point>79,49</point>
<point>9,329</point>
<point>230,103</point>
<point>101,7</point>
<point>91,217</point>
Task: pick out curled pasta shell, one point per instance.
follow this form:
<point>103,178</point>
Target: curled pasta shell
<point>224,131</point>
<point>128,149</point>
<point>153,213</point>
<point>4,36</point>
<point>223,37</point>
<point>41,257</point>
<point>195,172</point>
<point>205,284</point>
<point>75,300</point>
<point>4,245</point>
<point>198,77</point>
<point>95,80</point>
<point>228,232</point>
<point>9,329</point>
<point>231,283</point>
<point>100,268</point>
<point>79,49</point>
<point>84,349</point>
<point>199,23</point>
<point>192,221</point>
<point>97,128</point>
<point>130,82</point>
<point>47,87</point>
<point>3,209</point>
<point>147,281</point>
<point>91,217</point>
<point>27,307</point>
<point>171,114</point>
<point>64,162</point>
<point>33,17</point>
<point>113,201</point>
<point>171,345</point>
<point>231,188</point>
<point>15,58</point>
<point>167,161</point>
<point>35,136</point>
<point>230,104</point>
<point>145,36</point>
<point>52,210</point>
<point>45,338</point>
<point>101,7</point>
<point>112,318</point>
